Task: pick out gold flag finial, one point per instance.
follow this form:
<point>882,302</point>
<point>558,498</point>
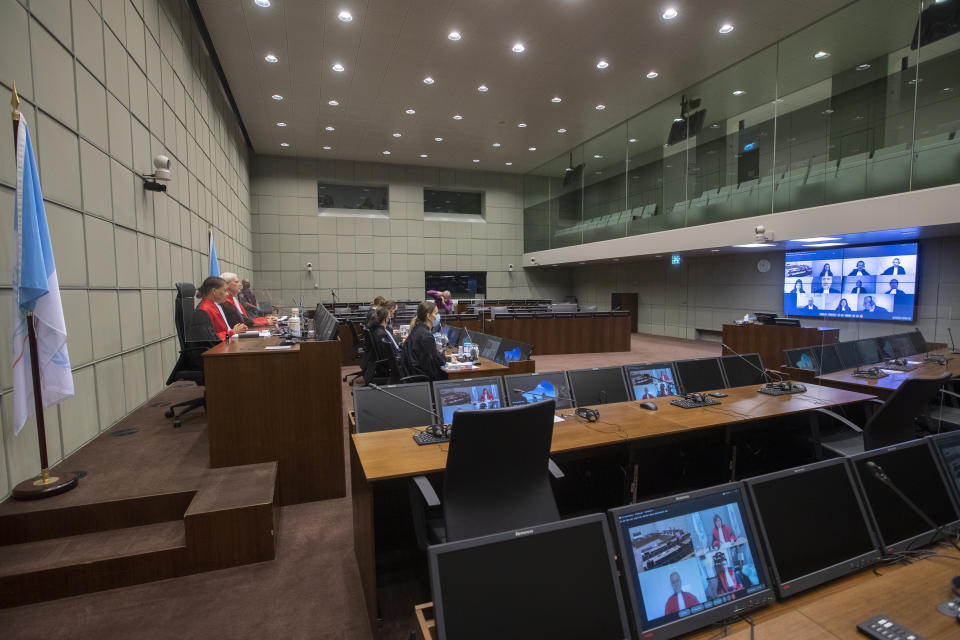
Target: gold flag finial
<point>15,102</point>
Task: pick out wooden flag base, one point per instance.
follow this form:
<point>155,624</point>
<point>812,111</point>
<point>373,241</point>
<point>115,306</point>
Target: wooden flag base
<point>45,485</point>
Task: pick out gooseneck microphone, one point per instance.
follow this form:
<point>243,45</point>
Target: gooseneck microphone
<point>953,345</point>
<point>764,372</point>
<point>882,476</point>
<point>439,430</point>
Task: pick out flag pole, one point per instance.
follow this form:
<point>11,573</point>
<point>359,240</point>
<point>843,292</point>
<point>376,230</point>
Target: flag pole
<point>44,485</point>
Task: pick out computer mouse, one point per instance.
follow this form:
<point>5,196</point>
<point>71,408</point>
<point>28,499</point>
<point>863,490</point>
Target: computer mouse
<point>649,406</point>
<point>717,394</point>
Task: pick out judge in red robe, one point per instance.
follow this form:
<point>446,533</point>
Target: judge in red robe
<point>726,578</point>
<point>209,322</point>
<point>721,532</point>
<point>673,602</point>
<point>232,307</point>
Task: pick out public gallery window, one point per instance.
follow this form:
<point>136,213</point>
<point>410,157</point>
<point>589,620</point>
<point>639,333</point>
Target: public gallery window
<point>460,284</point>
<point>352,200</point>
<point>439,203</point>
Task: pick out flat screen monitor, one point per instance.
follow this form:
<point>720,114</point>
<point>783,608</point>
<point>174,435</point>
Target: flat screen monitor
<point>918,342</point>
<point>452,334</point>
<point>598,386</point>
<point>849,354</point>
<point>647,381</point>
<point>869,350</point>
<point>479,340</point>
<point>903,344</point>
<point>512,351</point>
<point>813,524</point>
<point>947,446</point>
<point>524,388</point>
<point>556,580</point>
<point>743,370</point>
<point>690,561</point>
<point>468,393</point>
<point>701,374</point>
<point>828,358</point>
<point>393,406</point>
<point>490,347</point>
<point>802,358</point>
<point>876,282</point>
<point>324,324</point>
<point>912,468</point>
<point>885,348</point>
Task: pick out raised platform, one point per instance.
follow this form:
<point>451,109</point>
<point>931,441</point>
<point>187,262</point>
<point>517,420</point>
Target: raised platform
<point>148,508</point>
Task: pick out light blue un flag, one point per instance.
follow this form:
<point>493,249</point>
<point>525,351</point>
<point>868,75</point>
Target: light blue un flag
<point>36,291</point>
<point>214,263</point>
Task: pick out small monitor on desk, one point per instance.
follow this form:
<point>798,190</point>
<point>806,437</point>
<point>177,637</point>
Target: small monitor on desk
<point>700,374</point>
<point>490,348</point>
<point>828,359</point>
<point>526,388</point>
<point>598,386</point>
<point>813,523</point>
<point>468,393</point>
<point>512,351</point>
<point>743,370</point>
<point>555,580</point>
<point>690,561</point>
<point>911,467</point>
<point>324,324</point>
<point>384,408</point>
<point>868,351</point>
<point>886,348</point>
<point>849,354</point>
<point>903,344</point>
<point>918,342</point>
<point>648,381</point>
<point>947,446</point>
<point>801,358</point>
<point>452,334</point>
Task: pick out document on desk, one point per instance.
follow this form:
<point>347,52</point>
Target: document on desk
<point>557,419</point>
<point>279,347</point>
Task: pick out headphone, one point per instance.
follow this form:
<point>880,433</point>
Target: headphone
<point>869,371</point>
<point>696,397</point>
<point>590,415</point>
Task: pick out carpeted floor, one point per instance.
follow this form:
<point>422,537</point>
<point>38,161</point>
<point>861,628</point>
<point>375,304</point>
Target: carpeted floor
<point>311,590</point>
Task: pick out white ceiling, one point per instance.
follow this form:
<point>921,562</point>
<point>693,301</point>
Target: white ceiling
<point>391,45</point>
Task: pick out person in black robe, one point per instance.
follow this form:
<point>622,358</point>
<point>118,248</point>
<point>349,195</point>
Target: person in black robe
<point>419,355</point>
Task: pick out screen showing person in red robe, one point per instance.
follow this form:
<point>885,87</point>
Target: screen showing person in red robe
<point>721,532</point>
<point>726,577</point>
<point>679,595</point>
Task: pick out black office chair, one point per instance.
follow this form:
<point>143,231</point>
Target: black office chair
<point>360,352</point>
<point>189,365</point>
<point>496,478</point>
<point>893,422</point>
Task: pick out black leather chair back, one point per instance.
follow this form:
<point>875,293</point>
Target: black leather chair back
<point>183,310</point>
<point>189,365</point>
<point>893,422</point>
<point>497,477</point>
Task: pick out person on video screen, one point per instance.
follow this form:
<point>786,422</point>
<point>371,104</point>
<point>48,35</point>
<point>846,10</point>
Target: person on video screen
<point>859,288</point>
<point>721,532</point>
<point>861,269</point>
<point>895,290</point>
<point>726,577</point>
<point>673,602</point>
<point>810,305</point>
<point>798,287</point>
<point>844,306</point>
<point>872,310</point>
<point>895,269</point>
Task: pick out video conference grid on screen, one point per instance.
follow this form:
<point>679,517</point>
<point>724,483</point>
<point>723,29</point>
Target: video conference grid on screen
<point>651,382</point>
<point>467,397</point>
<point>872,283</point>
<point>689,557</point>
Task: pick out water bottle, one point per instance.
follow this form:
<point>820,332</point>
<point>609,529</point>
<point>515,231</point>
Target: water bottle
<point>467,345</point>
<point>294,322</point>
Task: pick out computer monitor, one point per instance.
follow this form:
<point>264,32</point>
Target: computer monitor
<point>384,408</point>
<point>903,345</point>
<point>813,524</point>
<point>598,386</point>
<point>324,324</point>
<point>452,334</point>
<point>801,358</point>
<point>700,374</point>
<point>849,354</point>
<point>828,358</point>
<point>868,351</point>
<point>647,381</point>
<point>745,370</point>
<point>911,467</point>
<point>490,347</point>
<point>468,393</point>
<point>524,388</point>
<point>918,342</point>
<point>556,580</point>
<point>886,348</point>
<point>690,560</point>
<point>512,351</point>
<point>947,446</point>
<point>479,340</point>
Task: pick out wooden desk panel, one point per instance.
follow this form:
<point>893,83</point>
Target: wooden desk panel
<point>770,340</point>
<point>265,405</point>
<point>884,387</point>
<point>561,335</point>
<point>486,368</point>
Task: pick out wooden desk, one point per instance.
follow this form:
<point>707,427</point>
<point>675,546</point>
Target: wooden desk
<point>265,405</point>
<point>884,387</point>
<point>486,368</point>
<point>770,340</point>
<point>385,455</point>
<point>595,334</point>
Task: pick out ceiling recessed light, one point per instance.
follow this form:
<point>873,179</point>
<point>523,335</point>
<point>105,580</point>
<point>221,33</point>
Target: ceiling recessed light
<point>277,97</point>
<point>531,148</point>
<point>281,124</point>
<point>726,28</point>
<point>522,124</point>
<point>669,14</point>
<point>262,3</point>
<point>438,139</point>
<point>817,239</point>
<point>827,112</point>
<point>454,35</point>
<point>423,155</point>
<point>397,134</point>
<point>652,74</point>
<point>476,160</point>
<point>862,67</point>
<point>483,88</point>
<point>509,164</point>
<point>345,16</point>
<point>337,67</point>
<point>458,117</point>
<point>271,58</point>
<point>495,144</point>
<point>947,90</point>
<point>284,144</point>
<point>561,130</point>
<point>738,92</point>
<point>386,153</point>
<point>632,140</point>
<point>518,48</point>
<point>333,103</point>
<point>410,112</point>
<point>598,155</point>
<point>428,80</point>
<point>678,119</point>
<point>327,148</point>
<point>328,128</point>
<point>603,64</point>
<point>556,99</point>
<point>821,55</point>
<point>600,107</point>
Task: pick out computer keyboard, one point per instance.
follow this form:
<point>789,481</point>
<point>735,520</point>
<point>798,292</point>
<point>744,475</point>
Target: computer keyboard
<point>684,403</point>
<point>777,391</point>
<point>425,437</point>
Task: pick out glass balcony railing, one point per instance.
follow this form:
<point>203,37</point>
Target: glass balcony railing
<point>863,103</point>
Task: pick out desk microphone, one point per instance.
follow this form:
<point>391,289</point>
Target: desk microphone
<point>439,430</point>
<point>953,345</point>
<point>765,372</point>
<point>882,476</point>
